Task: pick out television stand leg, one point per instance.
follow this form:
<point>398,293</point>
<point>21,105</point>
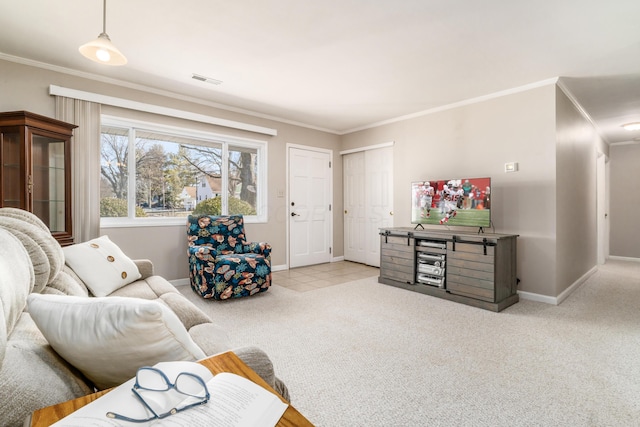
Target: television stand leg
<point>481,230</point>
<point>419,225</point>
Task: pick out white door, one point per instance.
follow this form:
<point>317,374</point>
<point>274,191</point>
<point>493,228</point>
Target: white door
<point>379,181</point>
<point>355,222</point>
<point>602,221</point>
<point>368,201</point>
<point>310,226</point>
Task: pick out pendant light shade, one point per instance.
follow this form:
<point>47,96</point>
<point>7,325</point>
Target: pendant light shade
<point>101,49</point>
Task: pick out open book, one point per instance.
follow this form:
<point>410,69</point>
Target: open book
<point>235,402</point>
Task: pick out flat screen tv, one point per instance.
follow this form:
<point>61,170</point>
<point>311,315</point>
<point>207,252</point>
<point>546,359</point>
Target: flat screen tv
<point>460,201</point>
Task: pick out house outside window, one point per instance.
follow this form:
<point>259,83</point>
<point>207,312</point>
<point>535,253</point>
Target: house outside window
<point>154,174</point>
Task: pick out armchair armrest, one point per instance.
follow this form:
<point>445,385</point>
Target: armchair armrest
<point>202,252</point>
<point>260,248</point>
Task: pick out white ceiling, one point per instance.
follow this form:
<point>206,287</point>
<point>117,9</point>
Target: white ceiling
<point>340,65</point>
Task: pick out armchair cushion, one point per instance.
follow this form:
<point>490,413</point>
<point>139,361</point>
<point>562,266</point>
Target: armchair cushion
<point>222,263</point>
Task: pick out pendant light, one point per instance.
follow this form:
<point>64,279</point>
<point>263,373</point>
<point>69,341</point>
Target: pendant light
<point>101,49</point>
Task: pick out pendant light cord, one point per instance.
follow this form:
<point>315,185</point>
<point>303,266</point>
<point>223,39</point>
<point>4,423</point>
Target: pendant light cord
<point>104,17</point>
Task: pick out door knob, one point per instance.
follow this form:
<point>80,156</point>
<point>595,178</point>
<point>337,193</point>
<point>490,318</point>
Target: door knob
<point>391,213</point>
<point>294,214</point>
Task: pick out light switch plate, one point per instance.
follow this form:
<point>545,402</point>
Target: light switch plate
<point>511,167</point>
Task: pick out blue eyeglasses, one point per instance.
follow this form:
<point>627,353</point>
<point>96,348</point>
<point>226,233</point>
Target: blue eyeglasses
<point>152,379</point>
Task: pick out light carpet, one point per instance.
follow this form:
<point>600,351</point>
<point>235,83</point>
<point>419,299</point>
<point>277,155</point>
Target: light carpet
<point>366,354</point>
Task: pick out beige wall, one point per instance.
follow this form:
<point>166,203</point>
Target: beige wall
<point>625,200</point>
<point>576,152</point>
<point>26,88</point>
<point>477,140</point>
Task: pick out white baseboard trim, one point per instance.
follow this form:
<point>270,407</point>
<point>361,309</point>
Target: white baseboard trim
<point>179,282</point>
<point>538,297</point>
<point>623,258</point>
<point>563,296</point>
<point>282,267</point>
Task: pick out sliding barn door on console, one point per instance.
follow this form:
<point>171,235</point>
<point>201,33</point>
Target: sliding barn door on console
<point>368,202</point>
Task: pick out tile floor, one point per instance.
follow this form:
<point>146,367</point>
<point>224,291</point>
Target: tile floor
<point>304,279</point>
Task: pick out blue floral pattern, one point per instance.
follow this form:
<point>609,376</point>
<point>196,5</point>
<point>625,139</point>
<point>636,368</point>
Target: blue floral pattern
<point>222,264</point>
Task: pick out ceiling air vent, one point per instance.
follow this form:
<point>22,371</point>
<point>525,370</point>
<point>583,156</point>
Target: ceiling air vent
<point>206,79</point>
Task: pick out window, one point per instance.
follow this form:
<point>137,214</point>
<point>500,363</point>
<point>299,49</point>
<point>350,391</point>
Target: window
<point>154,174</point>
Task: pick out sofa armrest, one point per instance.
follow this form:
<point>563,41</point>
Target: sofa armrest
<point>145,266</point>
<point>259,361</point>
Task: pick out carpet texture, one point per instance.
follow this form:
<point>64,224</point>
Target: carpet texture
<point>367,354</point>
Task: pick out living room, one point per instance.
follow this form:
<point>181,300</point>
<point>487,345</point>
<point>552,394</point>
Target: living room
<point>549,202</point>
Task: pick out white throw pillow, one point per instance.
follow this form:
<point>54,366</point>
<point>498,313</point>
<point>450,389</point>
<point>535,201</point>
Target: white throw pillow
<point>109,338</point>
<point>101,265</point>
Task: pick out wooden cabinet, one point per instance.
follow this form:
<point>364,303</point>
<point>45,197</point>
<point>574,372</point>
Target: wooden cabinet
<point>470,268</point>
<point>35,169</point>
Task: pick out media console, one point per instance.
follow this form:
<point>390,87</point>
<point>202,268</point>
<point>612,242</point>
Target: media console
<point>469,268</point>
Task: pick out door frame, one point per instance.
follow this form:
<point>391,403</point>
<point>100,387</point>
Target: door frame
<point>288,148</point>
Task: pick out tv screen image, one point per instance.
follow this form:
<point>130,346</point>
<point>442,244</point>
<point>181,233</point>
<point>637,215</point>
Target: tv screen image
<point>464,202</point>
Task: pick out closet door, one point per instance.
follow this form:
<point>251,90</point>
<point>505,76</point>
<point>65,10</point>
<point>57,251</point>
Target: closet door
<point>368,202</point>
<point>379,199</point>
<point>355,222</point>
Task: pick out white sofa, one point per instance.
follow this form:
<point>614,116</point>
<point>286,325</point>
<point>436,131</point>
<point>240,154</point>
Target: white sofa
<point>40,292</point>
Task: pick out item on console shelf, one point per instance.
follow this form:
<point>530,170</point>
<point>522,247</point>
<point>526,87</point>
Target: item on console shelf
<point>431,257</point>
<point>431,280</point>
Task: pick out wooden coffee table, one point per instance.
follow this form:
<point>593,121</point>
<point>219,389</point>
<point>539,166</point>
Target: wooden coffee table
<point>225,362</point>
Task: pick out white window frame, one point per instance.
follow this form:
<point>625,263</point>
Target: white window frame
<point>205,137</point>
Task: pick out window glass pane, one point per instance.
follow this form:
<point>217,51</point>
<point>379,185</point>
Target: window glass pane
<point>207,166</point>
<point>114,151</point>
<point>176,173</point>
<point>242,180</point>
<point>169,170</point>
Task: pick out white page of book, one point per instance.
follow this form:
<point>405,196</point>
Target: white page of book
<point>235,402</point>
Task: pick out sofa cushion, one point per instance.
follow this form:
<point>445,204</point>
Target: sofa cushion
<point>16,281</point>
<point>109,338</point>
<point>34,376</point>
<point>149,288</point>
<point>24,216</point>
<point>67,283</point>
<point>208,336</point>
<point>43,249</point>
<point>101,265</point>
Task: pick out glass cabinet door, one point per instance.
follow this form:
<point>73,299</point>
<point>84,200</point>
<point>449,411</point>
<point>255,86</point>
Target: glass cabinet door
<point>47,184</point>
<point>12,172</point>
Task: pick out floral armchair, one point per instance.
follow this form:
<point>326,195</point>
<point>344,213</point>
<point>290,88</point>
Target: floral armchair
<point>222,264</point>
